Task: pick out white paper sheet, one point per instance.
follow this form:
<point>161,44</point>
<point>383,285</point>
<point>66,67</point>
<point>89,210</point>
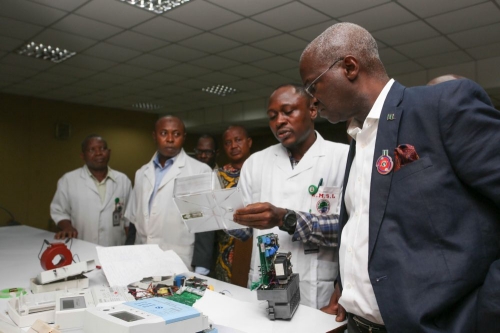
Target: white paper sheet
<point>123,265</point>
<point>203,206</point>
<point>252,317</point>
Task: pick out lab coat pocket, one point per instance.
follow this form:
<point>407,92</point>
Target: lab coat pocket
<point>326,200</point>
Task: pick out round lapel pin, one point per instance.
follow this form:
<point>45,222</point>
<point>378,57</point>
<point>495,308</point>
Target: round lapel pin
<point>384,163</point>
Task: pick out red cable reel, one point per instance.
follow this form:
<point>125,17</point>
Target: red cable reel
<point>53,250</point>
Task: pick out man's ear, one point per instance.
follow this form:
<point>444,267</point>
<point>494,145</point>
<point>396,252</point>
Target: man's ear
<point>313,110</point>
<point>249,142</point>
<point>351,67</point>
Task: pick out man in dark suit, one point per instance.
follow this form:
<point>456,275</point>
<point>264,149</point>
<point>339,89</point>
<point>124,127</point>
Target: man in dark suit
<point>420,217</point>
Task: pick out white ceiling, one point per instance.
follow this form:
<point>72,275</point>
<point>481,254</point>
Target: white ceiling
<point>127,55</point>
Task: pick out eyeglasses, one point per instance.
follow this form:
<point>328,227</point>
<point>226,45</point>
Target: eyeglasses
<point>310,89</point>
<point>206,152</point>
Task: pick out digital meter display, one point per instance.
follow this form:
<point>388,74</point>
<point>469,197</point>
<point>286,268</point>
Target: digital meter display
<point>74,302</point>
<point>126,316</point>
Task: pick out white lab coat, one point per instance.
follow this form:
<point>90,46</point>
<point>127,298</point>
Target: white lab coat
<point>163,225</point>
<point>78,200</point>
<point>267,176</point>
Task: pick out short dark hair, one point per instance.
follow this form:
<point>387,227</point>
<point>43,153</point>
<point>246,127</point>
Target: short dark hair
<point>85,141</point>
<point>299,89</point>
<point>243,129</point>
<point>208,136</point>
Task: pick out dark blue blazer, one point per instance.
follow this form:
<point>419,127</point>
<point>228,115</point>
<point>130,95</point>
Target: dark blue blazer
<point>434,228</point>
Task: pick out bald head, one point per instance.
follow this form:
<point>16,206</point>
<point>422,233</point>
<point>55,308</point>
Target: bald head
<point>444,78</point>
<point>344,39</point>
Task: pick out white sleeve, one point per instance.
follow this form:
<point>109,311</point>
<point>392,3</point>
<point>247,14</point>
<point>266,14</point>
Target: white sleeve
<point>245,183</point>
<point>126,199</point>
<point>60,207</point>
<point>131,209</point>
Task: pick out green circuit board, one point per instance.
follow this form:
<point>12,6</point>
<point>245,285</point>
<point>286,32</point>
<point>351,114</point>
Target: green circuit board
<point>268,246</point>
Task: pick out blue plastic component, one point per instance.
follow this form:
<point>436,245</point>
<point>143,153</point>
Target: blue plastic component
<point>270,251</point>
<point>266,240</point>
<point>179,280</point>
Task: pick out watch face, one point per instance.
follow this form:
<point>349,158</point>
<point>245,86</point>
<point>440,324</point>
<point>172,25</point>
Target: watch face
<point>290,219</point>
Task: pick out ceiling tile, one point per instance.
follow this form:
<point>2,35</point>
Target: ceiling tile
<point>218,78</point>
<point>272,80</point>
<point>470,38</point>
<point>295,55</point>
<point>31,12</point>
<point>63,40</point>
<point>60,79</point>
<point>172,89</point>
<point>86,27</point>
<point>245,71</point>
<point>127,90</point>
<point>281,44</point>
<point>93,84</point>
<point>141,84</point>
<point>179,53</point>
<point>370,19</point>
<point>202,15</point>
<point>403,67</point>
<point>246,31</point>
<point>467,18</point>
<point>129,71</point>
<point>426,8</point>
<point>27,62</point>
<point>109,77</point>
<point>163,28</point>
<point>111,52</point>
<point>246,85</point>
<point>391,56</point>
<point>210,43</point>
<point>93,63</point>
<point>115,13</point>
<point>276,63</point>
<point>405,33</point>
<point>215,62</point>
<point>246,54</point>
<point>467,70</point>
<point>187,70</point>
<point>67,5</point>
<point>10,44</point>
<point>77,90</point>
<point>291,16</point>
<point>485,51</point>
<point>137,41</point>
<point>314,31</point>
<point>22,89</point>
<point>17,29</point>
<point>340,8</point>
<point>427,47</point>
<point>195,84</point>
<point>444,59</point>
<point>64,69</point>
<point>249,8</point>
<point>152,62</point>
<point>164,77</point>
<point>6,70</point>
<point>292,74</point>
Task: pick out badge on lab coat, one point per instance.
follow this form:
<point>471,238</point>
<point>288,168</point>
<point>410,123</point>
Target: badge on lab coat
<point>325,201</point>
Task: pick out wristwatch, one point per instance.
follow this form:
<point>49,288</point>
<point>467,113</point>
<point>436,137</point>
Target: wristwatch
<point>289,222</point>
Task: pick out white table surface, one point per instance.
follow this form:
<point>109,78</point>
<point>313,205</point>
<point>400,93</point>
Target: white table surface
<point>20,245</point>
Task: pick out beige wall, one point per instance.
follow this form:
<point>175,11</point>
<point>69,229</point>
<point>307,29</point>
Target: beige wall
<point>32,159</point>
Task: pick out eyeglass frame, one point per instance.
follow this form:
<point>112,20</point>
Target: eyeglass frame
<point>208,152</point>
<point>319,76</point>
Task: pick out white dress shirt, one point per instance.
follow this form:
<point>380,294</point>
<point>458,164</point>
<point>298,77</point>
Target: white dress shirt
<point>357,296</point>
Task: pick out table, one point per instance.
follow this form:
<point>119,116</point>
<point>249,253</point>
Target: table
<point>20,246</point>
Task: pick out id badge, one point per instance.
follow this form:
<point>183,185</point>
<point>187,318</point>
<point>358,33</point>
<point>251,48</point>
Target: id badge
<point>326,200</point>
<point>117,213</point>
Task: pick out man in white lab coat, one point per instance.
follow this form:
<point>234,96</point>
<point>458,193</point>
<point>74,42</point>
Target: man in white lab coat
<point>90,201</point>
<point>303,172</point>
<point>152,209</point>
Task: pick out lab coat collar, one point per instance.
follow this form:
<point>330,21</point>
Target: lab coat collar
<point>306,162</point>
<point>110,186</point>
<point>175,169</point>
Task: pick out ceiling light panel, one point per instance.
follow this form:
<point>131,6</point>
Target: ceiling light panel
<point>45,52</point>
<point>156,6</point>
<point>219,90</point>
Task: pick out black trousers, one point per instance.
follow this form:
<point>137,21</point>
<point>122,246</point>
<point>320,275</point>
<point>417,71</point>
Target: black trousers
<point>356,324</point>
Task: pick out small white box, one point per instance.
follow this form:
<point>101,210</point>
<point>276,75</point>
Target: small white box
<point>80,282</point>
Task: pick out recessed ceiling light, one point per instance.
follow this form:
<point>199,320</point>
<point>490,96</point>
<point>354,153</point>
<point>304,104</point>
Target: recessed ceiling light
<point>156,6</point>
<point>219,90</point>
<point>45,52</point>
<point>146,106</point>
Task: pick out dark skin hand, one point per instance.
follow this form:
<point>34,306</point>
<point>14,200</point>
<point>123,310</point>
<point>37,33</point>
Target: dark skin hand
<point>261,215</point>
<point>334,308</point>
<point>66,230</point>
